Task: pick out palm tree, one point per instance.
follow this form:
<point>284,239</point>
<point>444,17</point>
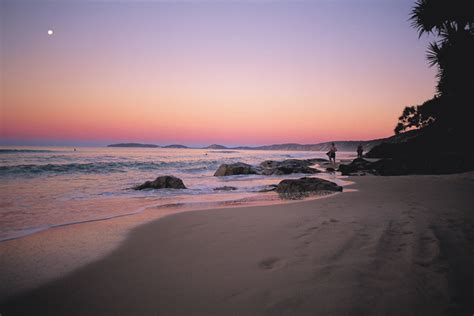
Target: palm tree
<point>452,24</point>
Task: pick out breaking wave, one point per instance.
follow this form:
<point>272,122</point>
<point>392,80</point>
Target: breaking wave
<point>105,167</point>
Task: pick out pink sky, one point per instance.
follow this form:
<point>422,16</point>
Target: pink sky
<point>201,73</point>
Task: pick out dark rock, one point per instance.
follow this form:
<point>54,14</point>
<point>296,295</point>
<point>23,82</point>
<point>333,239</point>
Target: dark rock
<point>358,164</point>
<point>235,169</point>
<point>270,164</point>
<point>330,169</point>
<point>163,182</point>
<point>302,185</point>
<point>289,166</point>
<point>225,188</point>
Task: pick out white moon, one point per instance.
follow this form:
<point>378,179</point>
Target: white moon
<point>50,32</point>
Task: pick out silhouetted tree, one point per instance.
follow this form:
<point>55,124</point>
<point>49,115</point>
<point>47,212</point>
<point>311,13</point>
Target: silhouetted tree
<point>452,24</point>
<point>419,116</point>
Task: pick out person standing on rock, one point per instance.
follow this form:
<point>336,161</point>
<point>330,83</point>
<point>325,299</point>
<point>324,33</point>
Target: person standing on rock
<point>360,151</point>
<point>332,153</point>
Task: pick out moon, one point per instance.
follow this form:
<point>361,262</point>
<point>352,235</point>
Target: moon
<point>50,32</point>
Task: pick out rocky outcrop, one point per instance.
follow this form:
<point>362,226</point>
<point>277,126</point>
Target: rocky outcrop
<point>428,164</point>
<point>289,166</point>
<point>384,167</point>
<point>225,188</point>
<point>306,185</point>
<point>444,163</point>
<point>235,169</point>
<point>163,182</point>
<point>271,167</point>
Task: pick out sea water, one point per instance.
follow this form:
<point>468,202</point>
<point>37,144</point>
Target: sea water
<point>44,187</point>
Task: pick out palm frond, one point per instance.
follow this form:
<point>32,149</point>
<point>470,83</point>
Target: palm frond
<point>433,54</point>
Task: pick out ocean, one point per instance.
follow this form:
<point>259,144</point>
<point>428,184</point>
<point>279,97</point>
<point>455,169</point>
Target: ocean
<point>46,187</point>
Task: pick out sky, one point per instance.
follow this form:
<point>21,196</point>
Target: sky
<point>203,72</point>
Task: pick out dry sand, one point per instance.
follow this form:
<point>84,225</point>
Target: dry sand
<point>397,245</point>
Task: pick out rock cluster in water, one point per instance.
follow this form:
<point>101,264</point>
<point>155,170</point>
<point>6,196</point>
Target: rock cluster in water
<point>289,166</point>
<point>269,167</point>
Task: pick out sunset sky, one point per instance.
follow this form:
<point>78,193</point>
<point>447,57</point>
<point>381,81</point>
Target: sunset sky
<point>202,72</point>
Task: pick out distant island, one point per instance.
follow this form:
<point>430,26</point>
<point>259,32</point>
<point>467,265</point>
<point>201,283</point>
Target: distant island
<point>133,145</point>
<point>215,146</point>
<point>176,146</point>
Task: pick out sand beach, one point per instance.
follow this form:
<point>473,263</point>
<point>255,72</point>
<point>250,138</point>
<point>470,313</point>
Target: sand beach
<point>391,246</point>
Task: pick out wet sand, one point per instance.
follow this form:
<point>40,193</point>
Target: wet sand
<point>397,245</point>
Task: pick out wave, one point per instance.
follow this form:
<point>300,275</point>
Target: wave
<point>15,151</point>
<point>32,230</point>
<point>104,167</point>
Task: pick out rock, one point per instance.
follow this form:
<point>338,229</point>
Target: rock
<point>330,169</point>
<point>269,164</point>
<point>358,164</point>
<point>234,169</point>
<point>225,188</point>
<point>163,182</point>
<point>317,160</point>
<point>289,166</point>
<point>304,185</point>
<point>268,167</point>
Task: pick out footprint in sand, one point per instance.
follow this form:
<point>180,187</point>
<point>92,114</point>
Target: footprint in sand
<point>428,239</point>
<point>270,263</point>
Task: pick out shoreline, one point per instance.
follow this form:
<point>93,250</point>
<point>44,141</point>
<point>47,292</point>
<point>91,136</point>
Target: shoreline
<point>410,236</point>
<point>258,199</point>
<point>56,250</point>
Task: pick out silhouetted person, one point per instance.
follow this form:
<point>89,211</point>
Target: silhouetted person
<point>360,151</point>
<point>332,153</point>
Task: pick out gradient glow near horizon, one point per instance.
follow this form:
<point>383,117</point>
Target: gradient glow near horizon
<point>252,72</point>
